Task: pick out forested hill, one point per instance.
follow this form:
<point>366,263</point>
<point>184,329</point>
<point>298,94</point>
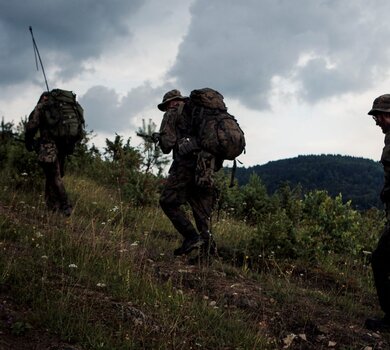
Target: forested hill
<point>357,179</point>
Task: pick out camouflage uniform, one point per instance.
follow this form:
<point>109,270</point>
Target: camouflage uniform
<point>50,157</point>
<point>381,255</point>
<point>180,187</point>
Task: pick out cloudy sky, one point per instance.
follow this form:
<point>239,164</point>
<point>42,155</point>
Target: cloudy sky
<point>300,76</point>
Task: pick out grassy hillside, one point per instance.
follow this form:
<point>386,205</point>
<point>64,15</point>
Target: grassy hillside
<point>106,278</point>
<point>292,270</point>
<point>357,179</point>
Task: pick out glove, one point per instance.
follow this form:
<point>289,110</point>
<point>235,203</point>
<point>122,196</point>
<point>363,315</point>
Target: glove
<point>156,137</point>
<point>187,145</point>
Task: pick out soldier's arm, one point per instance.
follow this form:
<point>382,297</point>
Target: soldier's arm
<point>32,126</point>
<point>168,138</point>
<point>385,160</point>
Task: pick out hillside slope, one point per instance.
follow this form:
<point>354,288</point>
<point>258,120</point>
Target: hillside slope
<point>106,279</point>
<point>357,179</point>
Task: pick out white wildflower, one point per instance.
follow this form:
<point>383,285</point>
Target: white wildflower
<point>101,285</point>
<point>134,243</point>
<point>24,174</point>
<point>114,209</point>
<point>73,266</point>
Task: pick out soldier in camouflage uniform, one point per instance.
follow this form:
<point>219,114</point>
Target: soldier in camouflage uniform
<point>381,256</point>
<point>180,187</point>
<point>51,158</point>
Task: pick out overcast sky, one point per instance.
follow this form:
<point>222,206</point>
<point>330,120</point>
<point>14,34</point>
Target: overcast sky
<point>300,76</point>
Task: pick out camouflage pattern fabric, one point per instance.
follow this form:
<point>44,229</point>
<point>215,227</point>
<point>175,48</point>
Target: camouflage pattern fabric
<point>55,194</point>
<point>176,125</point>
<point>385,160</point>
<point>205,170</point>
<point>208,98</point>
<point>47,152</point>
<point>180,187</point>
<point>381,255</point>
<point>381,269</point>
<point>51,159</point>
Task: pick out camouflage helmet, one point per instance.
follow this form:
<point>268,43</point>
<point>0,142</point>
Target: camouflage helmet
<point>169,96</point>
<point>381,104</point>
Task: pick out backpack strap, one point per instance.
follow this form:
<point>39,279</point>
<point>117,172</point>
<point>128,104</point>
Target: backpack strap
<point>233,174</point>
<point>197,113</point>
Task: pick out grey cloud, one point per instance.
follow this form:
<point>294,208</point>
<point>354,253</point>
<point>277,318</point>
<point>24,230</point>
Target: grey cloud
<point>105,111</point>
<point>67,32</point>
<point>238,47</point>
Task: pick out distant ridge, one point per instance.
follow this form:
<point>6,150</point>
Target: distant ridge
<point>357,179</point>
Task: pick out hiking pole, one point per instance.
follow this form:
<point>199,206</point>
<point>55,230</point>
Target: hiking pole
<point>36,52</point>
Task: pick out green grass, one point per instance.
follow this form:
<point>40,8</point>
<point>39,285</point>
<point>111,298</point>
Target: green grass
<point>105,278</point>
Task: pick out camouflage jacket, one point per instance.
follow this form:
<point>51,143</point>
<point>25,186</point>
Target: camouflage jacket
<point>46,149</point>
<point>176,124</point>
<point>385,160</point>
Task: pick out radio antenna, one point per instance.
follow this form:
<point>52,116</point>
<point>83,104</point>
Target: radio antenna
<point>36,53</point>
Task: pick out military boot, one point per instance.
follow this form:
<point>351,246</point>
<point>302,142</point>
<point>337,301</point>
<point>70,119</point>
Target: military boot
<point>188,245</point>
<point>207,251</point>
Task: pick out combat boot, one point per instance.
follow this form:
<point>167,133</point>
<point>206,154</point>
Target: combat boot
<point>207,251</point>
<point>66,210</point>
<point>188,245</point>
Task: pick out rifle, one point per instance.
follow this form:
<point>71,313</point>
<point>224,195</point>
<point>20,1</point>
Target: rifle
<point>151,138</point>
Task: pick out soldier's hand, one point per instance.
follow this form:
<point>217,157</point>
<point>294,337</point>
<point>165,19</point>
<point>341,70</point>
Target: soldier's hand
<point>187,145</point>
<point>156,137</point>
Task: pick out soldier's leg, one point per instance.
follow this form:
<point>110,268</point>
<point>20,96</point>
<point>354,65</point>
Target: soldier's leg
<point>50,191</point>
<point>202,202</point>
<point>173,196</point>
<point>56,196</point>
<point>381,270</point>
<point>66,206</point>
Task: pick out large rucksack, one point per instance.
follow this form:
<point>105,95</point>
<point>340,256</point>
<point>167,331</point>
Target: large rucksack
<point>64,119</point>
<point>217,133</point>
<point>216,130</point>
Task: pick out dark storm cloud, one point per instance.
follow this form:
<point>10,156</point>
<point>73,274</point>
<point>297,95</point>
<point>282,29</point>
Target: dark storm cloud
<point>67,33</point>
<point>239,47</point>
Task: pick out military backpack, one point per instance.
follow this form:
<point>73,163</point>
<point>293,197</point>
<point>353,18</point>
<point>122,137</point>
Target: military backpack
<point>217,131</point>
<point>64,119</point>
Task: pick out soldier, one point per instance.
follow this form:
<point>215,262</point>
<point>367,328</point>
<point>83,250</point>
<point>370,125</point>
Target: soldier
<point>180,188</point>
<point>381,256</point>
<point>50,157</point>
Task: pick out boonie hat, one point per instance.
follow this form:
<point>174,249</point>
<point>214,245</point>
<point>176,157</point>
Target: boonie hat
<point>169,96</point>
<point>381,104</point>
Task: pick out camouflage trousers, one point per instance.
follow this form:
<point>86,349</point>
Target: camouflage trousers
<point>52,163</point>
<point>381,268</point>
<point>180,189</point>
